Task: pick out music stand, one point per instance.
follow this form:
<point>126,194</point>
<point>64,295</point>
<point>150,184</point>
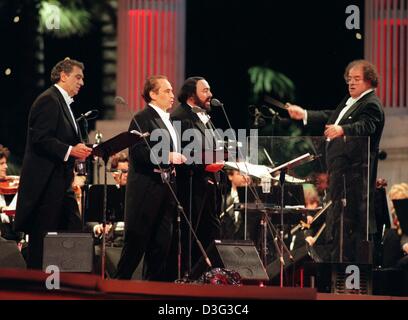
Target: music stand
<point>105,150</point>
<point>94,205</point>
<point>283,168</point>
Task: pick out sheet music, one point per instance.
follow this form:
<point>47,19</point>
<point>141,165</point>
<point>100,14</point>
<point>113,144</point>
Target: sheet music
<point>250,169</point>
<point>294,163</point>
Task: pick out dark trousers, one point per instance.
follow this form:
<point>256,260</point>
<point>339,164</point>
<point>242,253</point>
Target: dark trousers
<point>348,181</point>
<point>205,207</point>
<point>62,215</point>
<point>151,238</point>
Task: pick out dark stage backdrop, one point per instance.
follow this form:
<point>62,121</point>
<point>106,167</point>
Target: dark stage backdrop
<point>305,40</point>
<point>30,56</point>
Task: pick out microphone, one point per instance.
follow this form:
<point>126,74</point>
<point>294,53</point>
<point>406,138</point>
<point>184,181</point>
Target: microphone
<point>98,137</point>
<point>271,111</point>
<point>216,103</point>
<point>259,121</point>
<point>87,115</point>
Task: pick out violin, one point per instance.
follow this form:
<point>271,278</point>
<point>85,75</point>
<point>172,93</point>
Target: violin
<point>9,185</point>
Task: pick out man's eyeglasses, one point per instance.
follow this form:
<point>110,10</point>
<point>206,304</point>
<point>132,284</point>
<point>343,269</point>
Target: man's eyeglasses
<point>355,80</point>
<point>119,171</point>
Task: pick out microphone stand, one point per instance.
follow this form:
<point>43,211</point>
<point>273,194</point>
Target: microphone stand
<point>216,139</point>
<point>282,177</point>
<point>343,208</point>
<point>98,140</point>
<point>267,221</point>
<point>81,165</point>
<point>282,184</point>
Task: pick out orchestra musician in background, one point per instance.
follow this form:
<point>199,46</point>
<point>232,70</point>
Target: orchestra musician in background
<point>232,221</point>
<point>8,195</point>
<point>119,169</point>
<point>395,242</point>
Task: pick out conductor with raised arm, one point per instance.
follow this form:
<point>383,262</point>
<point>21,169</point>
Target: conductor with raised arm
<point>360,114</point>
<point>46,201</point>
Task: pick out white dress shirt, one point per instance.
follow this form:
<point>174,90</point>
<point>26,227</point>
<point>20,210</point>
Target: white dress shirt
<point>204,117</point>
<point>165,116</point>
<point>235,198</point>
<point>350,102</point>
<point>68,101</point>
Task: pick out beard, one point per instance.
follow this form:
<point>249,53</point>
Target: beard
<point>203,104</point>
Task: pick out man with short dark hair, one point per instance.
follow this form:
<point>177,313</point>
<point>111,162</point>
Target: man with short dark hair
<point>150,206</point>
<point>360,114</point>
<point>46,201</point>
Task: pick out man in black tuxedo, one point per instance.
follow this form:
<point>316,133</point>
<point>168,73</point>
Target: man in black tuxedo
<point>150,205</point>
<point>204,191</point>
<point>46,201</point>
<point>360,114</point>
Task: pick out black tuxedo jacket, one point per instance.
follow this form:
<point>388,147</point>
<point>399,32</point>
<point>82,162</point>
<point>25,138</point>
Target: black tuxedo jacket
<point>142,178</point>
<point>206,197</point>
<point>45,176</point>
<point>184,116</point>
<point>348,156</point>
<point>364,119</point>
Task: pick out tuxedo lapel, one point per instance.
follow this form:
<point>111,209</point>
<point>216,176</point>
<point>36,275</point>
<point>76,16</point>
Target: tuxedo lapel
<point>337,111</point>
<point>159,124</point>
<point>66,112</point>
<point>156,118</point>
<point>355,106</point>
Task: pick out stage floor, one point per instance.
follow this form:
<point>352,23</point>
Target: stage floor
<point>19,284</point>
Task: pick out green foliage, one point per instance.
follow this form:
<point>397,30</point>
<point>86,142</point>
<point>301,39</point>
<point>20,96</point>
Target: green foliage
<point>267,81</point>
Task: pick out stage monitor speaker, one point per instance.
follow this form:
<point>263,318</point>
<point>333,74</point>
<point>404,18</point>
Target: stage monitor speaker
<point>240,256</point>
<point>10,256</point>
<point>70,252</point>
<point>111,262</point>
<point>300,255</point>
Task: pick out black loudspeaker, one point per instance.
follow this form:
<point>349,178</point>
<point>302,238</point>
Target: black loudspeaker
<point>112,259</point>
<point>70,252</point>
<point>299,255</point>
<point>10,256</point>
<point>240,256</point>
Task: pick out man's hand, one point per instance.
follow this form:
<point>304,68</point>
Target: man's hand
<point>99,228</point>
<point>333,131</point>
<point>405,248</point>
<point>310,240</point>
<point>80,151</point>
<point>295,112</point>
<point>177,158</point>
<point>4,218</point>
